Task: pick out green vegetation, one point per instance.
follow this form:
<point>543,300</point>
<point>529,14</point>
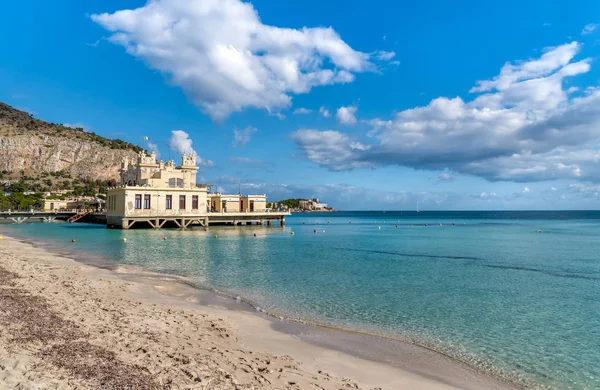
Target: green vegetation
<point>293,203</point>
<point>13,121</point>
<point>20,201</point>
<point>27,192</point>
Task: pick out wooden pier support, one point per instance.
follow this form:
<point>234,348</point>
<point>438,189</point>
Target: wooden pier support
<point>19,220</point>
<point>185,221</point>
<point>49,219</point>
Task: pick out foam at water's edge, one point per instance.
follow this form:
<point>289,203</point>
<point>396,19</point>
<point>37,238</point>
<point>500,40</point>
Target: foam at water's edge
<point>461,357</point>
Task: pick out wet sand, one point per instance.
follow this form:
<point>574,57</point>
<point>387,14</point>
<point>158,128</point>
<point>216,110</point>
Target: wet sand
<point>71,325</point>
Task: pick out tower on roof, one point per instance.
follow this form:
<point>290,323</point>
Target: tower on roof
<point>188,160</point>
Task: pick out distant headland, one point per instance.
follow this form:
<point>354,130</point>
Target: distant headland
<point>300,205</point>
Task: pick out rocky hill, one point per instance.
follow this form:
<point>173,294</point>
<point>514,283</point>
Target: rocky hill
<point>34,148</point>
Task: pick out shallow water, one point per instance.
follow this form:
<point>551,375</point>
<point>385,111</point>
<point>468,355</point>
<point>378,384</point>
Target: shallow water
<point>488,290</point>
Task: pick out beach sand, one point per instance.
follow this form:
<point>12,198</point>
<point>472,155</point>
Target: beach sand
<point>68,325</point>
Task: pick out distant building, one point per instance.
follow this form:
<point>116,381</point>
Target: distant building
<point>305,204</point>
<point>60,192</point>
<point>70,203</point>
<point>312,205</point>
<point>160,192</point>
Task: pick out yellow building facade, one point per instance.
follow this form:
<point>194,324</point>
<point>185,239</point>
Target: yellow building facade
<point>67,204</point>
<point>158,193</point>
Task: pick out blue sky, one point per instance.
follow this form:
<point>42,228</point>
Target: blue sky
<point>457,105</point>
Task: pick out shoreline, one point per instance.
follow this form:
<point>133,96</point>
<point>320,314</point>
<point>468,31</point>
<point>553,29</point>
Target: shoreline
<point>404,363</point>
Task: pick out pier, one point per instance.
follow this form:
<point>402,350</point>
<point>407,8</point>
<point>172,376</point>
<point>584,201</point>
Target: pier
<point>20,216</point>
<point>205,220</point>
<point>155,222</point>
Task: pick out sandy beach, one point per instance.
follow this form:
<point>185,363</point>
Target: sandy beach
<point>68,325</point>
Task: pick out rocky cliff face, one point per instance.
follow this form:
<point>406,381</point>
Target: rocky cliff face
<point>43,153</point>
<point>32,145</point>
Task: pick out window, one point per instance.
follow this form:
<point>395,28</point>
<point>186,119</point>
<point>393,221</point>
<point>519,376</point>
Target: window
<point>181,202</point>
<point>194,202</point>
<point>138,201</point>
<point>146,201</point>
<point>169,204</point>
<point>175,183</point>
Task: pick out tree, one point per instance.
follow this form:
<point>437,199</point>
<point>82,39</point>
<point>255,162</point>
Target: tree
<point>18,187</point>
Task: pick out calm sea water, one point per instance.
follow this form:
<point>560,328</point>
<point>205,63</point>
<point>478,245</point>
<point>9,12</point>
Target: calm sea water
<point>484,287</point>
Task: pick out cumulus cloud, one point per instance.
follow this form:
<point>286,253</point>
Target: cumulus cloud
<point>154,148</point>
<point>522,125</point>
<point>180,142</point>
<point>301,111</point>
<point>241,137</point>
<point>346,115</point>
<point>325,112</point>
<point>589,28</point>
<point>226,59</point>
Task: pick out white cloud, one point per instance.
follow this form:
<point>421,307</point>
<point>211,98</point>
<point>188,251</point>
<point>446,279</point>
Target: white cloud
<point>93,44</point>
<point>350,197</point>
<point>226,59</point>
<point>346,115</point>
<point>525,190</point>
<point>325,112</point>
<point>487,195</point>
<point>589,28</point>
<point>553,188</point>
<point>301,111</point>
<point>180,142</point>
<point>522,125</point>
<point>331,149</point>
<point>153,147</point>
<point>384,55</point>
<point>242,136</point>
<point>446,176</point>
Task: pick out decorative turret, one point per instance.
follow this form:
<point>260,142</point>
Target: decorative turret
<point>125,163</point>
<point>188,160</point>
<point>143,158</point>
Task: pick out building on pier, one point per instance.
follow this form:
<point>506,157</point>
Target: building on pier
<point>160,194</point>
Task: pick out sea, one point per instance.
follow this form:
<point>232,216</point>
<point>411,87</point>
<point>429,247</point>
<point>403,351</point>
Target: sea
<point>513,293</point>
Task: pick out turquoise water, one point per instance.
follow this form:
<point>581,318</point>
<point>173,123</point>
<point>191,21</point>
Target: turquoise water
<point>488,290</point>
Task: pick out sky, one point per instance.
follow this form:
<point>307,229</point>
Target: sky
<point>457,105</point>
